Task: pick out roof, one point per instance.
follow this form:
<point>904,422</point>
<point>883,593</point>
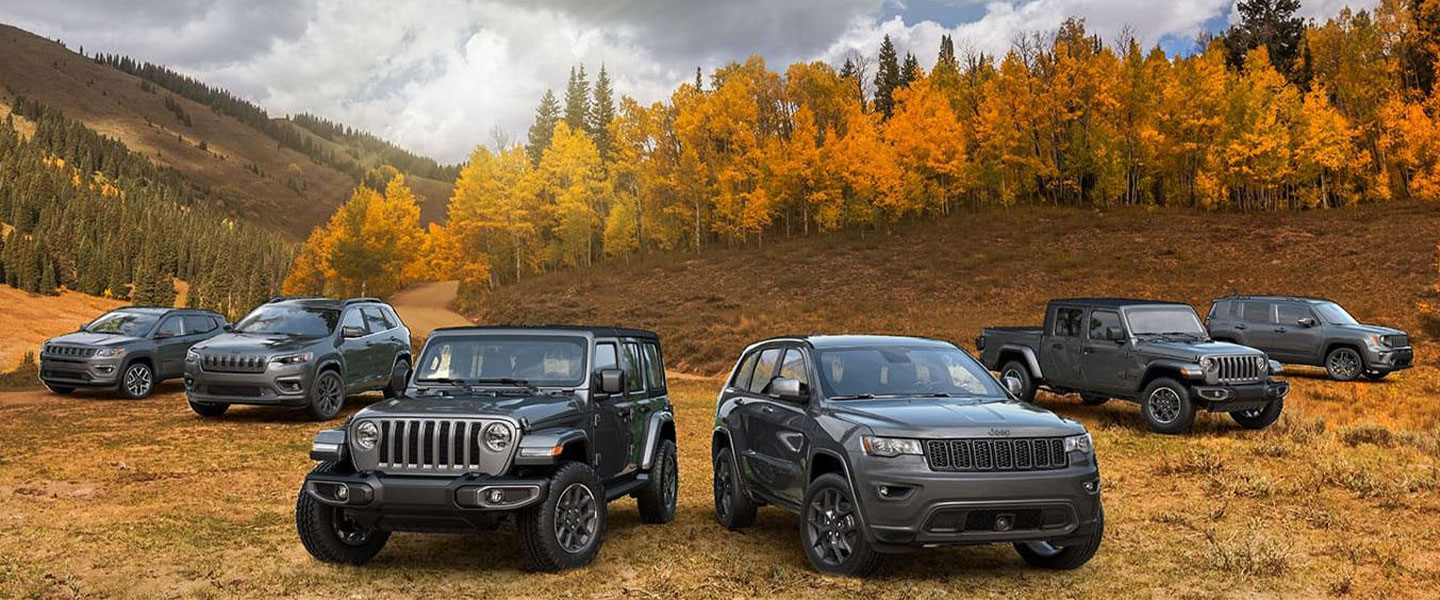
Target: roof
<point>162,310</point>
<point>594,331</point>
<point>322,300</point>
<point>820,341</point>
<point>1114,302</point>
<point>1271,298</point>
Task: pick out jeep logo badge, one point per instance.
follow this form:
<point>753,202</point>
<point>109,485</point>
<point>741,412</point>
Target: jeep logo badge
<point>999,433</point>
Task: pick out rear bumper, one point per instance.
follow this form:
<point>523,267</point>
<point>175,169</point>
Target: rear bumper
<point>926,508</point>
<point>80,372</point>
<point>276,386</point>
<point>1389,359</point>
<point>395,503</point>
<point>1230,398</point>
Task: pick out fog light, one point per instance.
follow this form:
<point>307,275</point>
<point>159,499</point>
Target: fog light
<point>1091,486</point>
<point>1004,522</point>
<point>884,490</point>
<point>342,492</point>
<point>497,497</point>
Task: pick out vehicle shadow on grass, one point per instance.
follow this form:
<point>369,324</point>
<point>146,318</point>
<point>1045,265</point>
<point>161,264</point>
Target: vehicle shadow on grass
<point>1122,414</point>
<point>242,413</point>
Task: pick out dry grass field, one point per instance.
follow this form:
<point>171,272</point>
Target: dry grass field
<point>28,319</point>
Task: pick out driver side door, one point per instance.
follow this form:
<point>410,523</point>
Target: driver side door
<point>611,442</point>
<point>1105,362</point>
<point>355,348</point>
<point>777,444</point>
<point>170,346</point>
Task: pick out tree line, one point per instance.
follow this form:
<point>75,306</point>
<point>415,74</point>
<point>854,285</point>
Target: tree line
<point>78,210</point>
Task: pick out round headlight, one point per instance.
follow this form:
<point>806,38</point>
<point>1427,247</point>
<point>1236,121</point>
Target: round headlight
<point>1262,363</point>
<point>498,436</point>
<point>366,434</point>
<point>1207,364</point>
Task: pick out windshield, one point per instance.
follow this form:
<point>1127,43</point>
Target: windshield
<point>1165,319</point>
<point>900,371</point>
<point>550,361</point>
<point>290,319</point>
<point>122,322</point>
<point>1334,315</point>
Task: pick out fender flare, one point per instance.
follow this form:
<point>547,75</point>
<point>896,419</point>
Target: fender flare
<point>652,436</point>
<point>1171,364</point>
<point>541,443</point>
<point>1029,355</point>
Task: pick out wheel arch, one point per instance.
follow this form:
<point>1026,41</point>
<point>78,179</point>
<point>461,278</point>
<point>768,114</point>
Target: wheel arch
<point>660,427</point>
<point>1024,355</point>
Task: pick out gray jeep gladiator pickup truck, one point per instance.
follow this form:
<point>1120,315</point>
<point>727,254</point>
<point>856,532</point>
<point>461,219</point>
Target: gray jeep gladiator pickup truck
<point>535,426</point>
<point>127,349</point>
<point>1311,331</point>
<point>1155,353</point>
<point>888,444</point>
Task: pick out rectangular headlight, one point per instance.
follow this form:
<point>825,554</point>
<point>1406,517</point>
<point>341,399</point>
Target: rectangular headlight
<point>109,352</point>
<point>883,446</point>
<point>292,359</point>
<point>1080,443</point>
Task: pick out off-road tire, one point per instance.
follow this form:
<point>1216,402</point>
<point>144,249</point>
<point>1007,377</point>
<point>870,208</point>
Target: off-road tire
<point>315,522</point>
<point>657,499</point>
<point>1337,360</point>
<point>734,509</point>
<point>59,389</point>
<point>1020,371</point>
<point>1166,413</point>
<point>862,558</point>
<point>318,407</point>
<point>538,537</point>
<point>140,370</point>
<point>1093,399</point>
<point>1067,557</point>
<point>399,376</point>
<point>207,409</point>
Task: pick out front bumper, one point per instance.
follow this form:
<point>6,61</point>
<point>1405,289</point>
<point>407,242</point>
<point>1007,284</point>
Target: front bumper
<point>277,385</point>
<point>80,372</point>
<point>1389,359</point>
<point>1230,398</point>
<point>920,507</point>
<point>400,503</point>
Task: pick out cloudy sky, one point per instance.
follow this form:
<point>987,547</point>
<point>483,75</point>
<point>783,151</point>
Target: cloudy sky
<point>438,77</point>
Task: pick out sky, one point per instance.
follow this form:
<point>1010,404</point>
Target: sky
<point>439,77</point>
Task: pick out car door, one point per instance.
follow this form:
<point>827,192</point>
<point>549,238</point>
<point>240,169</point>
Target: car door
<point>656,395</point>
<point>1106,363</point>
<point>355,348</point>
<point>198,328</point>
<point>755,467</point>
<point>170,346</point>
<point>1063,345</point>
<point>1293,341</point>
<point>612,441</point>
<point>382,345</point>
<point>777,432</point>
<point>1257,326</point>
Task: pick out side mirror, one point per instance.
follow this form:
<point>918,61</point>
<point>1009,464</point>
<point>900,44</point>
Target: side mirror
<point>612,381</point>
<point>1115,334</point>
<point>351,331</point>
<point>228,327</point>
<point>1305,321</point>
<point>1014,386</point>
<point>788,389</point>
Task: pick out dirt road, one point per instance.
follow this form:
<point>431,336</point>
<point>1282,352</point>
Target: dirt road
<point>426,307</point>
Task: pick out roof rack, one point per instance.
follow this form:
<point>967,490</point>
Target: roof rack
<point>359,300</point>
<point>288,298</point>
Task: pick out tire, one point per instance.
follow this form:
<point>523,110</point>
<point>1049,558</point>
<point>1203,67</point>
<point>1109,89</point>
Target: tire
<point>1046,556</point>
<point>136,381</point>
<point>329,536</point>
<point>1019,371</point>
<point>399,376</point>
<point>565,531</point>
<point>1259,418</point>
<point>734,510</point>
<point>1093,399</point>
<point>1372,376</point>
<point>830,530</point>
<point>1167,407</point>
<point>327,396</point>
<point>59,389</point>
<point>1344,364</point>
<point>657,499</point>
<point>207,409</point>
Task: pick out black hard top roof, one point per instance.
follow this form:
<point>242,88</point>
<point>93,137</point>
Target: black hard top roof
<point>538,329</point>
<point>1113,302</point>
<point>819,341</point>
<point>1272,298</point>
<point>160,310</point>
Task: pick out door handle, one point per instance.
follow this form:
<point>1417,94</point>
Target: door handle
<point>767,409</point>
<point>624,412</point>
<point>1279,330</point>
<point>1087,350</point>
<point>1241,326</point>
<point>1057,346</point>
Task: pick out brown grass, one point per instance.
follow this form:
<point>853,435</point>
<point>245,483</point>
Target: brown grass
<point>27,319</point>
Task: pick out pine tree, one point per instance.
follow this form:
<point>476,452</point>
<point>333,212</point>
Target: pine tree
<point>546,115</point>
<point>699,83</point>
<point>602,112</point>
<point>1274,25</point>
<point>577,99</point>
<point>910,71</point>
<point>887,77</point>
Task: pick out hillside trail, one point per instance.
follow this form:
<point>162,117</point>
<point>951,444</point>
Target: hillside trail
<point>425,307</point>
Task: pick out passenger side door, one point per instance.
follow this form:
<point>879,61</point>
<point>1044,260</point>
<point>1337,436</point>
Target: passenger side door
<point>1106,363</point>
<point>777,433</point>
<point>756,467</point>
<point>611,439</point>
<point>382,344</point>
<point>1063,345</point>
<point>1294,341</point>
<point>355,348</point>
<point>170,347</point>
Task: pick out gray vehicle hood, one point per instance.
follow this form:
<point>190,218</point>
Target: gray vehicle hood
<point>254,343</point>
<point>953,418</point>
<point>85,338</point>
<point>533,408</point>
<point>1369,329</point>
<point>1191,351</point>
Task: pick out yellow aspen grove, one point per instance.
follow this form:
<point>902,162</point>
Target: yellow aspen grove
<point>373,245</point>
<point>929,147</point>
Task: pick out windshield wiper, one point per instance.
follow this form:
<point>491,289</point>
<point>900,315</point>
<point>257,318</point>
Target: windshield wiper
<point>854,397</point>
<point>523,383</point>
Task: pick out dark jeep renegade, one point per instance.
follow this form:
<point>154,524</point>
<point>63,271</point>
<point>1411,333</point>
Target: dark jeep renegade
<point>1156,353</point>
<point>539,426</point>
<point>1311,331</point>
<point>888,444</point>
<point>303,352</point>
<point>127,349</point>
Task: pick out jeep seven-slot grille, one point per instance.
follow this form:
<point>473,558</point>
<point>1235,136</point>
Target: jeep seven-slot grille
<point>1397,341</point>
<point>430,445</point>
<point>71,351</point>
<point>233,363</point>
<point>1032,454</point>
<point>1242,368</point>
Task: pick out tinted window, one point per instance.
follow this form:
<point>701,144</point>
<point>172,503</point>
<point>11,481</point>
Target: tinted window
<point>554,361</point>
<point>375,319</point>
<point>173,326</point>
<point>794,366</point>
<point>300,321</point>
<point>123,322</point>
<point>634,369</point>
<point>1291,312</point>
<point>1100,320</point>
<point>747,368</point>
<point>765,370</point>
<point>199,324</point>
<point>654,368</point>
<point>1255,312</point>
<point>901,371</point>
<point>354,319</point>
<point>392,320</point>
<point>605,357</point>
<point>1067,321</point>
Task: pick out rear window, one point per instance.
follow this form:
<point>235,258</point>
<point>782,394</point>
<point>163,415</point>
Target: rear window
<point>654,368</point>
<point>1067,322</point>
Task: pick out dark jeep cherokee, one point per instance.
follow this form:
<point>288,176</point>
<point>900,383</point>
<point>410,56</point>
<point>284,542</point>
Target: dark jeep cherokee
<point>302,352</point>
<point>1156,353</point>
<point>1311,331</point>
<point>888,444</point>
<point>535,426</point>
<point>128,349</point>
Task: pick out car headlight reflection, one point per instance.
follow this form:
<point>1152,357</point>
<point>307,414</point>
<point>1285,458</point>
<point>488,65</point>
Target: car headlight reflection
<point>1080,443</point>
<point>883,446</point>
<point>366,435</point>
<point>498,437</point>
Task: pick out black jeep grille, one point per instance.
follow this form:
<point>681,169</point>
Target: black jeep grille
<point>1031,454</point>
<point>430,444</point>
<point>1397,341</point>
<point>233,363</point>
<point>1240,368</point>
<point>70,351</point>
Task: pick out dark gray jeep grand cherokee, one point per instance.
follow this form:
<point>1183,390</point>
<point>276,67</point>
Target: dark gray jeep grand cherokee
<point>301,352</point>
<point>536,426</point>
<point>888,444</point>
<point>128,349</point>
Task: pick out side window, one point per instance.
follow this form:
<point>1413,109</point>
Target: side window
<point>794,366</point>
<point>353,318</point>
<point>374,319</point>
<point>1232,309</point>
<point>199,324</point>
<point>765,370</point>
<point>172,326</point>
<point>1292,312</point>
<point>747,368</point>
<point>605,357</point>
<point>654,368</point>
<point>1067,322</point>
<point>634,373</point>
<point>1100,320</point>
<point>392,320</point>
<point>1255,312</point>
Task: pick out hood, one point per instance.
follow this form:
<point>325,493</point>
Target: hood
<point>953,418</point>
<point>252,343</point>
<point>1191,351</point>
<point>534,408</point>
<point>1369,329</point>
<point>85,338</point>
